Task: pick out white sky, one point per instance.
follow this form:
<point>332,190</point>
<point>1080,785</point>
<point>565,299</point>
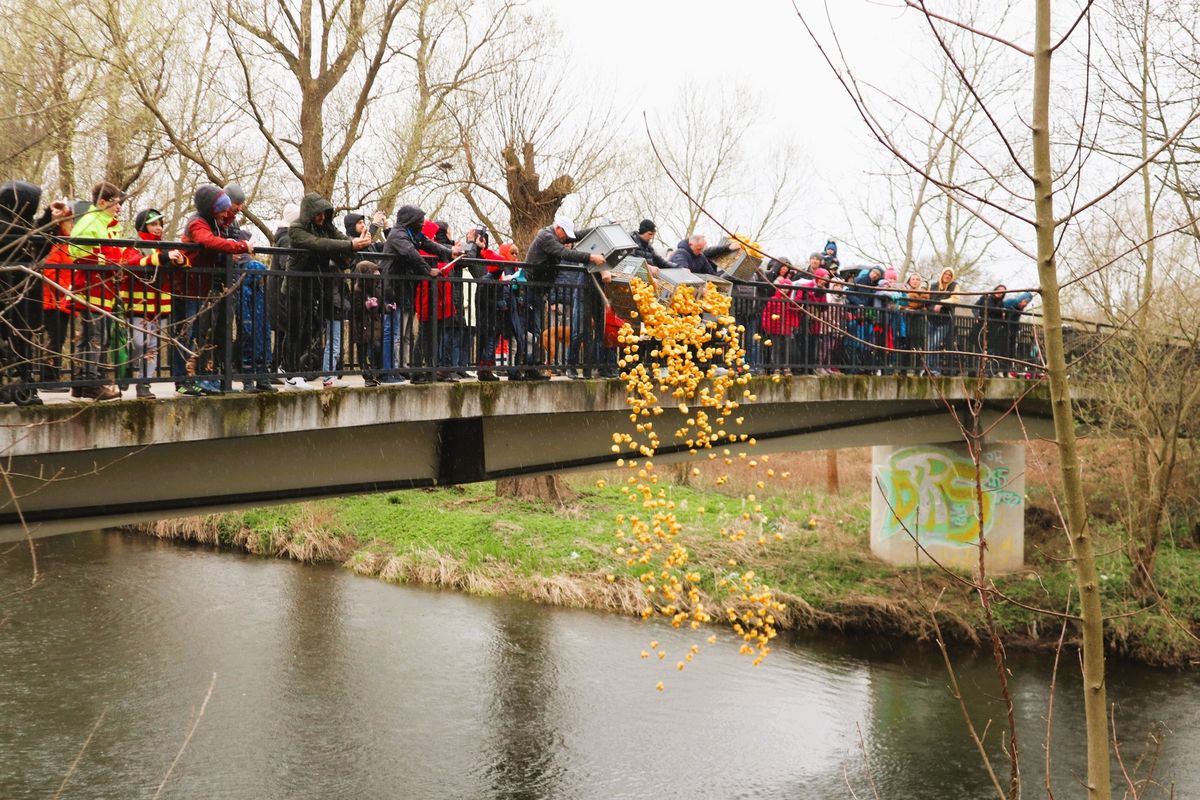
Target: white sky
<point>646,49</point>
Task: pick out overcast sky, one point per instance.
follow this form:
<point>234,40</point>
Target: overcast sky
<point>646,49</point>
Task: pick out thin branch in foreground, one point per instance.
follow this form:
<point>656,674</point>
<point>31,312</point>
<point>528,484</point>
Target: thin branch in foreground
<point>186,739</point>
<point>956,693</point>
<point>79,756</point>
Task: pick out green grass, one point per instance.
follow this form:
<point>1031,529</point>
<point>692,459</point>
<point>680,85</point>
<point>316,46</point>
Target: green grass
<point>824,557</point>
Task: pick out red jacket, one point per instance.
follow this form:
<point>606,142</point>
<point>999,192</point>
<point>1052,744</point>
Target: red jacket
<point>146,293</point>
<point>445,299</point>
<point>59,278</point>
<point>101,287</point>
<point>206,233</point>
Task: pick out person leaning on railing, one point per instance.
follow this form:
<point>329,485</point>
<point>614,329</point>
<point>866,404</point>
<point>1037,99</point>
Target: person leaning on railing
<point>548,251</point>
<point>330,252</point>
<point>1014,307</point>
<point>404,245</point>
<point>20,313</point>
<point>101,311</point>
<point>991,338</point>
<point>940,321</point>
<point>146,297</point>
<point>198,310</point>
<point>913,303</point>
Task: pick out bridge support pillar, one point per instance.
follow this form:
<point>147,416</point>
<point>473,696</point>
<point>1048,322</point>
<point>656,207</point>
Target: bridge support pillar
<point>928,494</point>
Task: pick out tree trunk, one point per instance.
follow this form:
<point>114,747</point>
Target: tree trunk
<point>832,485</point>
<point>530,206</point>
<point>546,488</point>
<point>1095,703</point>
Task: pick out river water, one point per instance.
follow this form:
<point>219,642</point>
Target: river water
<point>333,686</point>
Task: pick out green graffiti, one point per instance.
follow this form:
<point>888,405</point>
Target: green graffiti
<point>931,493</point>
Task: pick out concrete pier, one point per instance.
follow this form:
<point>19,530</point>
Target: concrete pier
<point>927,494</point>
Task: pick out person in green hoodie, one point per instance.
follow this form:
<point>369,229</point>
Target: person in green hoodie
<point>329,252</point>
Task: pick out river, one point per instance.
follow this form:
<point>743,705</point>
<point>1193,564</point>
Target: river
<point>329,685</point>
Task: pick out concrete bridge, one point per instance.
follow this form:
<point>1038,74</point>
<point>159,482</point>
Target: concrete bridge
<point>72,468</point>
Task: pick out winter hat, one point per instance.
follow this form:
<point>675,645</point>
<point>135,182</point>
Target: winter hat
<point>79,208</point>
<point>145,217</point>
<point>647,226</point>
<point>236,193</point>
<point>222,203</point>
<point>506,251</point>
<point>206,198</point>
<point>291,214</point>
<point>821,272</point>
<point>890,274</point>
<point>350,223</point>
<point>831,245</point>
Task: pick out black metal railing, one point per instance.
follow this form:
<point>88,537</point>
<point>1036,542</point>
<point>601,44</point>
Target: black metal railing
<point>257,323</point>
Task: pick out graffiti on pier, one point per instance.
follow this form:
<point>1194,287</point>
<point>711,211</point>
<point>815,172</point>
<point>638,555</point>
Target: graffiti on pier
<point>931,494</point>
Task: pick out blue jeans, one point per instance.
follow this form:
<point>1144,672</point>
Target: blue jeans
<point>254,327</point>
<point>333,346</point>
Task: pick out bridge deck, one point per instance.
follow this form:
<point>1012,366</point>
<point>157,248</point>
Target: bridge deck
<point>75,467</point>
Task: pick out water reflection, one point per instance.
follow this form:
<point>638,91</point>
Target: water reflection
<point>335,686</point>
<point>523,738</point>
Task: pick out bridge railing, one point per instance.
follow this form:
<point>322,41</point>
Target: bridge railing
<point>254,322</point>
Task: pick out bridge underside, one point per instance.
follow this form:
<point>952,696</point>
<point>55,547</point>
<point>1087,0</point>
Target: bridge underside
<point>75,468</point>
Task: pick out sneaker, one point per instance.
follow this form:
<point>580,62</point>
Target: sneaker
<point>447,377</point>
<point>299,383</point>
<point>370,381</point>
<point>487,376</point>
<point>211,388</point>
<point>144,392</point>
<point>251,387</point>
<point>571,374</point>
<point>394,380</point>
<point>332,383</point>
<point>100,393</point>
<point>466,373</point>
<point>265,386</point>
<point>189,390</point>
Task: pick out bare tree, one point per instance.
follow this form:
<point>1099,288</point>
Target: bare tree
<point>1023,206</point>
<point>531,149</point>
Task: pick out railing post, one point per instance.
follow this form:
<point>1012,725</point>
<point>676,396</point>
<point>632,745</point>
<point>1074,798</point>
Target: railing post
<point>227,329</point>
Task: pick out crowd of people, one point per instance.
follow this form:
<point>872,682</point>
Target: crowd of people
<point>404,299</point>
<point>868,319</point>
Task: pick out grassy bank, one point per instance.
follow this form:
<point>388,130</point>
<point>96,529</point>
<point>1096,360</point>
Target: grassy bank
<point>466,538</point>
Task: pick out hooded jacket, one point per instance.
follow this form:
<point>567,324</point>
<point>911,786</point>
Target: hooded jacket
<point>328,247</point>
<point>1013,304</point>
<point>940,292</point>
<point>328,251</point>
<point>404,244</point>
<point>350,224</point>
<point>701,264</point>
<point>865,287</point>
<point>18,216</point>
<point>203,228</point>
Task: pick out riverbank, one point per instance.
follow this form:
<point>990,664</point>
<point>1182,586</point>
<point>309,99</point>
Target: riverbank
<point>468,539</point>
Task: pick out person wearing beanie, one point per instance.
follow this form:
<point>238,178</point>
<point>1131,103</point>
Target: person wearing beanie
<point>644,239</point>
<point>146,297</point>
<point>236,195</point>
<point>196,309</point>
